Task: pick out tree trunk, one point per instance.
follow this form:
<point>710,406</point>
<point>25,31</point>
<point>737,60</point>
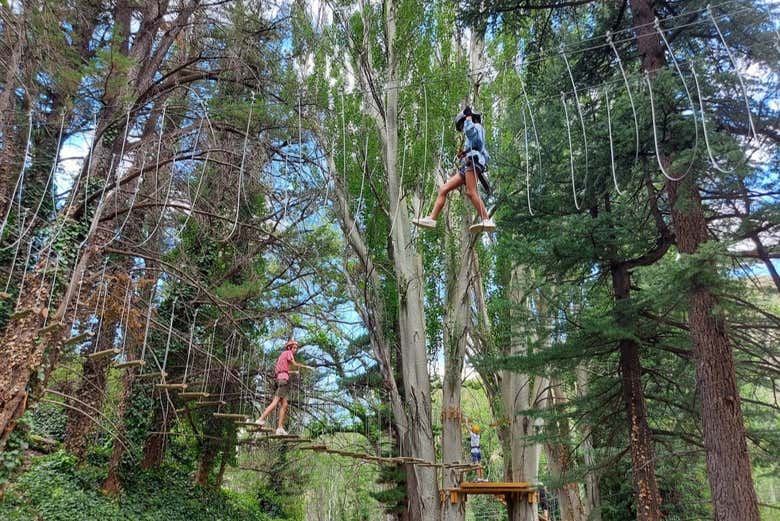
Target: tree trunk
<point>592,494</point>
<point>9,166</point>
<point>456,332</point>
<point>156,443</point>
<point>728,460</point>
<point>646,494</point>
<point>560,461</point>
<point>206,462</point>
<point>112,485</point>
<point>88,399</point>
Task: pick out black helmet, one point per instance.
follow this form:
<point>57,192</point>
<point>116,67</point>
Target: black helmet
<point>460,119</point>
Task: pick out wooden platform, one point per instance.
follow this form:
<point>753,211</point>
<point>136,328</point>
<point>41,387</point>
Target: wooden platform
<point>129,364</point>
<point>493,488</point>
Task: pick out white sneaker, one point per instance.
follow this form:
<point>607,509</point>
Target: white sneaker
<point>260,423</point>
<point>281,432</point>
<point>425,222</point>
<point>486,225</point>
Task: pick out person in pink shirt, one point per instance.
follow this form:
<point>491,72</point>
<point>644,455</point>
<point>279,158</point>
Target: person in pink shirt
<point>283,363</point>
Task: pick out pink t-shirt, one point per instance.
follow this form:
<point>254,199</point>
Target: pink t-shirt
<point>283,364</point>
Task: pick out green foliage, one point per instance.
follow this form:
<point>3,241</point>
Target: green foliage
<point>48,420</point>
<point>55,489</point>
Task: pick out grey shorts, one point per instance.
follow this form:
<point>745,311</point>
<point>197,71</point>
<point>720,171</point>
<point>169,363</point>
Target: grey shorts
<point>282,388</point>
<point>476,456</point>
<point>469,164</point>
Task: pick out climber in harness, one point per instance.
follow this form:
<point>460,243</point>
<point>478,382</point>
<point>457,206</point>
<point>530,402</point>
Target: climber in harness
<point>473,159</point>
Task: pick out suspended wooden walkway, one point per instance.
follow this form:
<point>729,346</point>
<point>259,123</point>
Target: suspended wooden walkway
<point>314,445</point>
<point>506,490</point>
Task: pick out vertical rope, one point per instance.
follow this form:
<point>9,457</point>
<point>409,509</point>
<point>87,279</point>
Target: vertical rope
<point>713,161</point>
<point>655,134</point>
<point>579,112</point>
<point>20,179</point>
<point>737,73</point>
<point>571,152</point>
<point>611,142</point>
<point>148,319</point>
<point>657,26</point>
<point>630,95</point>
<point>241,168</point>
<point>527,164</point>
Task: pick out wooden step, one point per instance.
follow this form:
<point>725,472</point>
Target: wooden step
<point>130,363</point>
<point>77,339</point>
<point>21,313</point>
<point>4,295</point>
<point>54,326</point>
<point>210,403</point>
<point>171,387</point>
<point>105,353</point>
<point>230,416</point>
<point>149,376</point>
<point>191,395</point>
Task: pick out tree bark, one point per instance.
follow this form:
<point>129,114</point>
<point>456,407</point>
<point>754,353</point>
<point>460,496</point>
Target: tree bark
<point>728,459</point>
<point>112,485</point>
<point>415,426</point>
<point>592,494</point>
<point>9,166</point>
<point>456,332</point>
<point>156,443</point>
<point>89,397</point>
<point>646,493</point>
<point>560,461</point>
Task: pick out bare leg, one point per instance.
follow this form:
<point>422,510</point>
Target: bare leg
<point>451,184</point>
<point>473,194</point>
<point>282,413</point>
<point>268,410</point>
<point>479,471</point>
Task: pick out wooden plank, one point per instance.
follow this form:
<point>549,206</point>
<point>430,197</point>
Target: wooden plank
<point>284,437</point>
<point>4,295</point>
<point>129,363</point>
<point>77,339</point>
<point>21,313</point>
<point>230,416</point>
<point>211,403</point>
<point>150,376</point>
<point>191,395</point>
<point>50,328</point>
<point>171,387</point>
<point>488,487</point>
<point>105,353</point>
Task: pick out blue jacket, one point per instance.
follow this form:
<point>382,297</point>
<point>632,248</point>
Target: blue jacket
<point>475,143</point>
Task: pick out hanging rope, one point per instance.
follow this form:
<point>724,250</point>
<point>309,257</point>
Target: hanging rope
<point>655,135</point>
<point>168,341</point>
<point>630,95</point>
<point>533,126</point>
<point>20,178</point>
<point>148,320</point>
<point>713,161</point>
<point>44,191</point>
<point>241,169</point>
<point>582,118</point>
<point>527,164</point>
<point>657,25</point>
<point>752,127</point>
<point>611,141</point>
<point>571,152</point>
<point>157,178</point>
